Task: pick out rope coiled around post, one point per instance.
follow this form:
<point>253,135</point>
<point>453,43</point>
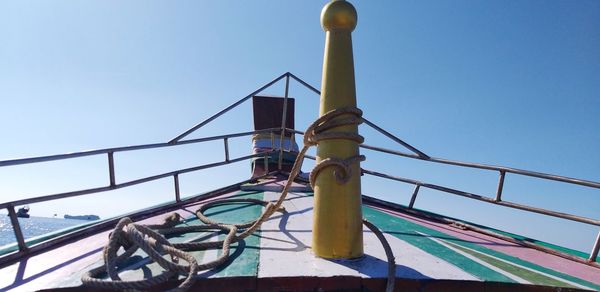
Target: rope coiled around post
<point>150,238</point>
<point>317,132</point>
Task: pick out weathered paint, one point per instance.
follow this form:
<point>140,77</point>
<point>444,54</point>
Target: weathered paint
<point>393,224</point>
<point>564,278</point>
<point>518,237</point>
<point>408,232</point>
<point>549,261</point>
<point>513,277</point>
<point>528,275</point>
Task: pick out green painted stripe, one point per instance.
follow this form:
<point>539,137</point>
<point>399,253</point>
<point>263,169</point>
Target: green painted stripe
<point>245,264</point>
<point>528,275</point>
<point>523,263</point>
<point>245,255</point>
<point>515,260</point>
<point>407,231</point>
<point>566,250</point>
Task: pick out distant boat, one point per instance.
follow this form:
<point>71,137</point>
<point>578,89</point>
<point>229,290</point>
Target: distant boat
<point>82,217</point>
<point>23,212</point>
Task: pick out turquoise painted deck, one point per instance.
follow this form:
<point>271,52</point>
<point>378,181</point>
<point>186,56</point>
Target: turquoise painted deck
<point>483,263</point>
<point>422,237</point>
<point>244,254</point>
<point>518,237</point>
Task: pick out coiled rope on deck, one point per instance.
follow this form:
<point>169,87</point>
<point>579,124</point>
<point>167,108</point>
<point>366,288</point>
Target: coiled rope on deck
<point>150,238</point>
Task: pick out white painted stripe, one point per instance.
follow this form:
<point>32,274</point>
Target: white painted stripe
<point>529,269</point>
<point>477,260</point>
<point>285,250</point>
<point>413,258</point>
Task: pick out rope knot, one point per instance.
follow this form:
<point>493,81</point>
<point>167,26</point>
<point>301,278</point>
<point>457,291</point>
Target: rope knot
<point>321,130</point>
<point>172,220</point>
<point>316,131</point>
<point>342,171</point>
<point>133,236</point>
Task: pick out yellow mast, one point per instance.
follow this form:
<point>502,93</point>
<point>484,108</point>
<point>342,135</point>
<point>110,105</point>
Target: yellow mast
<point>337,230</point>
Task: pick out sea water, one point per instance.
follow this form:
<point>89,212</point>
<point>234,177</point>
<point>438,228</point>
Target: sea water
<point>33,226</point>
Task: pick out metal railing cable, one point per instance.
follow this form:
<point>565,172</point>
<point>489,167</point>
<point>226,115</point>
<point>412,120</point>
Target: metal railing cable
<point>420,184</point>
<point>232,106</point>
<point>396,139</point>
<point>29,160</point>
<point>113,185</point>
<point>116,186</point>
<point>586,183</point>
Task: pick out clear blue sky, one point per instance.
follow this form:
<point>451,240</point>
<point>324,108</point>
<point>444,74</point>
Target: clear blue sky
<point>508,83</point>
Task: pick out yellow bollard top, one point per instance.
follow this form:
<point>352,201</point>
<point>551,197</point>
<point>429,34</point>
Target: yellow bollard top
<point>338,15</point>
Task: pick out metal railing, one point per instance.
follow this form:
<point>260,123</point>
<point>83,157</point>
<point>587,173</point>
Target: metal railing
<point>497,199</point>
<point>417,154</point>
<point>113,185</point>
<point>503,171</point>
<point>177,141</point>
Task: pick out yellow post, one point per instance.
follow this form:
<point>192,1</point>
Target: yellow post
<point>337,229</point>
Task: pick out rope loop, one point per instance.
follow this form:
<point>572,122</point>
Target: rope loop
<point>150,238</point>
<point>321,130</point>
<point>139,237</point>
<point>342,172</point>
<point>316,131</point>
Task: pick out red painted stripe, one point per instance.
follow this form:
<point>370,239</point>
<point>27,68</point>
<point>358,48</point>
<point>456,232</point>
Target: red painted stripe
<point>556,263</point>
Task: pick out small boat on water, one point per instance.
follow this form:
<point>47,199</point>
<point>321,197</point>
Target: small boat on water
<point>282,231</point>
<point>82,217</point>
<point>23,212</point>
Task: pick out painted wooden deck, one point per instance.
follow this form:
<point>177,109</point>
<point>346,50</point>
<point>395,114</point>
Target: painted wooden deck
<point>424,250</point>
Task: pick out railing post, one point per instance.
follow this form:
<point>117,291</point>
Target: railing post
<point>283,122</point>
<point>414,196</point>
<point>500,186</point>
<point>14,221</point>
<point>176,182</point>
<point>292,141</point>
<point>594,253</point>
<point>266,161</point>
<point>111,168</point>
<point>226,144</point>
<point>337,224</point>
